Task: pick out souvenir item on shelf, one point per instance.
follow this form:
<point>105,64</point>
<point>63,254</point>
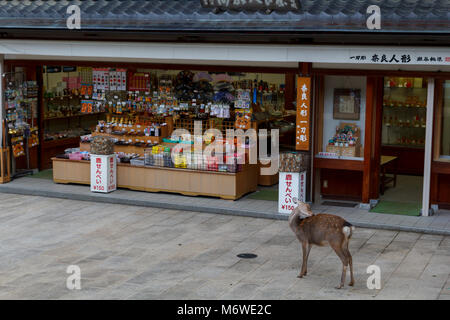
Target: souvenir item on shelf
<point>243,119</point>
<point>346,141</point>
<point>17,146</point>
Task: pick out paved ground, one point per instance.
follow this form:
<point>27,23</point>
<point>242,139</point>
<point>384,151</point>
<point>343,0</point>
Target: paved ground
<point>437,224</point>
<point>130,252</point>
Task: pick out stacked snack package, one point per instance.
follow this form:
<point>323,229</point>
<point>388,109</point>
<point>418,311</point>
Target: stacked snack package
<point>102,145</point>
<point>294,162</point>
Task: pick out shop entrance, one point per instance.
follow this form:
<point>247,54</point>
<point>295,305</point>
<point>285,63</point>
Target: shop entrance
<point>403,136</point>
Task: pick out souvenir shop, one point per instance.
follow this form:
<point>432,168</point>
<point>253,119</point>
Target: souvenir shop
<point>53,111</point>
<point>375,133</point>
<point>381,138</point>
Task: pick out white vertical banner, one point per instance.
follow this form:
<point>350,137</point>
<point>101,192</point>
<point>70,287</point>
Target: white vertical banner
<point>103,173</point>
<point>291,185</point>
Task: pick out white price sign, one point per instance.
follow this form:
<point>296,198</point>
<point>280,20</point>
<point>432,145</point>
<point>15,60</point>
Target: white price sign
<point>291,185</point>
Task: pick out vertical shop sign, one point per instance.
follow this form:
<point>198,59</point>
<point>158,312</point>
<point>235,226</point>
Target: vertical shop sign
<point>103,173</point>
<point>291,185</point>
<point>302,137</point>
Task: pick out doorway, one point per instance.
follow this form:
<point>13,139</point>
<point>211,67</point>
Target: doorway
<point>403,140</point>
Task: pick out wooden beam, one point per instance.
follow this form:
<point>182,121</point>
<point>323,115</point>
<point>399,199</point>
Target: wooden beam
<point>160,66</point>
<point>387,73</point>
<point>289,93</point>
<point>305,68</point>
<point>350,165</point>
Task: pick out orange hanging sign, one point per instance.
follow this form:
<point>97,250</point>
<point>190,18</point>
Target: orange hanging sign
<point>302,128</point>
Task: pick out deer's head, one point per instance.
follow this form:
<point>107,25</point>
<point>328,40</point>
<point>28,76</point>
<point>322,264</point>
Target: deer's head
<point>303,210</point>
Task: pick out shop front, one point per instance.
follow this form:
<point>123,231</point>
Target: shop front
<point>155,115</point>
<point>380,138</point>
<point>375,124</point>
<point>373,131</point>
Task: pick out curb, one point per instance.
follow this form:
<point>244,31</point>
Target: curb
<point>216,210</point>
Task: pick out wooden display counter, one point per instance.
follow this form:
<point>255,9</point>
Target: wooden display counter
<point>410,159</point>
<point>162,179</point>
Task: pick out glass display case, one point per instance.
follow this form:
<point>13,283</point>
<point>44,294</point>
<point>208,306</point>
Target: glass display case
<point>342,118</point>
<point>404,112</point>
<point>445,119</point>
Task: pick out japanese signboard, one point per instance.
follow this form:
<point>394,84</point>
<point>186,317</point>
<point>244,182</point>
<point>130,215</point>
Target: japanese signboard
<point>276,5</point>
<point>103,173</point>
<point>400,58</point>
<point>302,127</point>
<point>291,185</point>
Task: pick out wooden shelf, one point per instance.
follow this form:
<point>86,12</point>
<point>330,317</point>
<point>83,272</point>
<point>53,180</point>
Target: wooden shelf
<point>341,164</point>
<point>60,142</point>
<point>74,116</point>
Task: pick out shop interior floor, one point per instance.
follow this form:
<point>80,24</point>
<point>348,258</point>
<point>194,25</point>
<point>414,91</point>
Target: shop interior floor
<point>265,193</point>
<point>44,174</point>
<point>408,190</point>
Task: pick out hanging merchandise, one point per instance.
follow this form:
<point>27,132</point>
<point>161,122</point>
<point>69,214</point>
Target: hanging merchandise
<point>140,81</point>
<point>85,75</point>
<point>17,146</point>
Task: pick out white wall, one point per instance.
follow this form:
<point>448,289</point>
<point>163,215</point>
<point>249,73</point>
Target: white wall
<point>342,82</point>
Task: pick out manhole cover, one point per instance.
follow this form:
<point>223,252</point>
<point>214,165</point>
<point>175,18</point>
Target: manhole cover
<point>247,255</point>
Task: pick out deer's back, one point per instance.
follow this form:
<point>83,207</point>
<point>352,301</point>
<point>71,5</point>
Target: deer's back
<point>323,228</point>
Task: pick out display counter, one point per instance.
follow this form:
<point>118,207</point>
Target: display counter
<point>410,159</point>
<point>225,185</point>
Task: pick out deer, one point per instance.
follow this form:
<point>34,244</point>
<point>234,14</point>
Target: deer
<point>322,229</point>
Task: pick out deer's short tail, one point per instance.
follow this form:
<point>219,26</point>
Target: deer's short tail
<point>348,229</point>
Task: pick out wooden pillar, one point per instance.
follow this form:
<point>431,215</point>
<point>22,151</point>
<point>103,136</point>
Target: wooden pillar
<point>369,138</point>
<point>376,150</point>
<point>289,93</point>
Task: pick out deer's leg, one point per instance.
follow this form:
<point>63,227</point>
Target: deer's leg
<point>350,262</point>
<point>338,248</point>
<point>305,259</point>
<point>307,256</point>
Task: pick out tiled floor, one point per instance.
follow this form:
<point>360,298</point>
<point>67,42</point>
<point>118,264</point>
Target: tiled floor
<point>131,252</point>
<point>437,224</point>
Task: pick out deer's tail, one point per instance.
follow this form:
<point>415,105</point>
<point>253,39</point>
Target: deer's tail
<point>348,229</point>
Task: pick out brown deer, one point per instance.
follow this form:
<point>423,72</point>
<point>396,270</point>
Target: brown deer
<point>320,229</point>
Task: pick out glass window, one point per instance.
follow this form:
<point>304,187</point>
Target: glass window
<point>343,115</point>
<point>445,134</point>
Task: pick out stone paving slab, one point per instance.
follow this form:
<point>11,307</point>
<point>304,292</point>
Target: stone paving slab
<point>437,224</point>
<point>130,252</point>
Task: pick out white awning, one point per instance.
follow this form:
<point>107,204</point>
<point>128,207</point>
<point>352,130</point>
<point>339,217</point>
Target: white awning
<point>366,57</point>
